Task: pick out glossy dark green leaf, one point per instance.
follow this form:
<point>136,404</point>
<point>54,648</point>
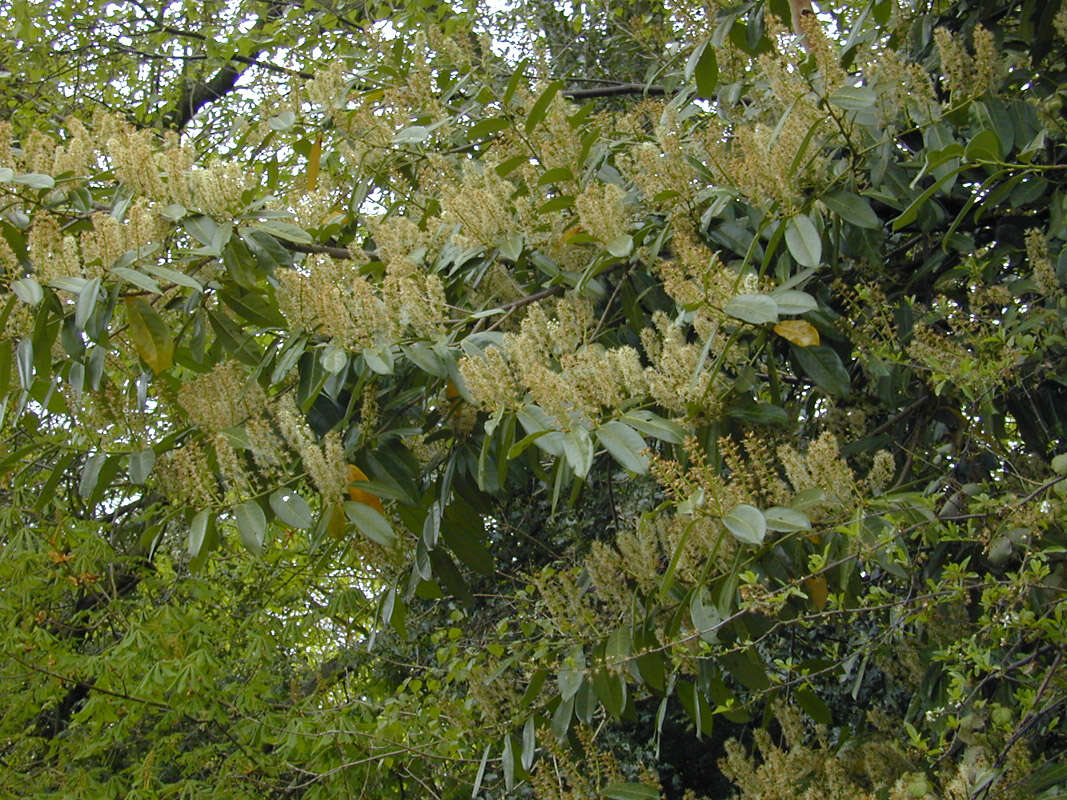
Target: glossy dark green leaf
<point>823,365</point>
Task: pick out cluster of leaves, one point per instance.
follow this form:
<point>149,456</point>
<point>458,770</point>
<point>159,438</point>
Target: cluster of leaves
<point>470,441</point>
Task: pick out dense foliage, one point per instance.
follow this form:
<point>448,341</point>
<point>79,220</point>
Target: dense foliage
<point>613,400</point>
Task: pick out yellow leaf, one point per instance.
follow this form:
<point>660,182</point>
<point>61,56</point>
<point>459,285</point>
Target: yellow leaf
<point>797,331</point>
<point>817,591</point>
<point>313,163</point>
<point>359,495</point>
<point>150,334</point>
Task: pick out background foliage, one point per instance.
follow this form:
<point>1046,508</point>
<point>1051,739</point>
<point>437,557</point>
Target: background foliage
<point>610,400</point>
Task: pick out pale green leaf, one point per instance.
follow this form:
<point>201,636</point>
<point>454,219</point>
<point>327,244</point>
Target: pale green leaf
<point>625,445</point>
<point>251,525</point>
<point>786,520</point>
<point>756,309</point>
<point>803,240</point>
<point>292,509</point>
<point>141,463</point>
<point>370,523</point>
<point>747,524</point>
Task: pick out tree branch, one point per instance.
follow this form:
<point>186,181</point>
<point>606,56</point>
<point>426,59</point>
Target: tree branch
<point>197,94</point>
<point>650,89</point>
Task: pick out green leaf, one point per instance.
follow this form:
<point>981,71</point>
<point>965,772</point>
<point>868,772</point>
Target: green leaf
<point>507,763</point>
<point>557,175</point>
<point>283,121</point>
<point>172,275</point>
<point>853,209</point>
<point>28,290</point>
<point>413,134</point>
<point>621,246</point>
<point>86,303</point>
<point>91,473</point>
<point>541,430</point>
<point>786,520</point>
<point>35,180</point>
<point>529,744</point>
<point>515,80</point>
<point>489,126</point>
<point>333,359</point>
<point>370,523</point>
<point>747,668</point>
<point>909,214</point>
<point>625,445</point>
<point>757,309</point>
<point>706,617</point>
<point>823,365</point>
<point>561,718</point>
<point>1059,464</point>
<point>556,204</point>
<point>696,706</point>
<point>747,524</point>
<point>572,672</point>
<point>251,525</point>
<point>141,464</point>
<point>853,98</point>
<point>629,791</point>
<point>790,301</point>
<point>511,164</point>
<point>654,425</point>
<point>579,450</point>
<point>137,279</point>
<point>24,361</point>
<point>284,230</point>
<point>197,533</point>
<point>481,772</point>
<point>984,147</point>
<point>291,509</point>
<point>202,228</point>
<point>540,107</point>
<point>610,689</point>
<point>151,337</point>
<point>803,240</point>
<point>814,705</point>
<point>704,65</point>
